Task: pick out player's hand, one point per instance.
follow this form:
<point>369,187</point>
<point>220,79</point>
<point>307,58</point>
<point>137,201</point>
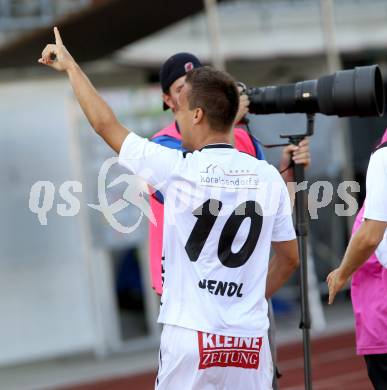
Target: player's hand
<point>243,106</point>
<point>335,282</point>
<point>56,55</point>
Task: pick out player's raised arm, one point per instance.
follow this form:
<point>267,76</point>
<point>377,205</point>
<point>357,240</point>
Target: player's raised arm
<point>99,114</point>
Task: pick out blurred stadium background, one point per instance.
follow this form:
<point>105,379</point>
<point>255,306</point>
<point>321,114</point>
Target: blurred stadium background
<point>76,307</point>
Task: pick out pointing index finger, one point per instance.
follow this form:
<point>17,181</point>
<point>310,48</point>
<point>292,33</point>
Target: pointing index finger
<point>331,298</point>
<point>58,39</point>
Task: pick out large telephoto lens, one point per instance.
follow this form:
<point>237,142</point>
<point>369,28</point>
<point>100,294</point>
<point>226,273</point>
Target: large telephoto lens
<point>355,92</point>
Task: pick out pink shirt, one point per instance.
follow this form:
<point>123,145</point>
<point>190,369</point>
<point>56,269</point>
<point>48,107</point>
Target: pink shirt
<point>369,292</point>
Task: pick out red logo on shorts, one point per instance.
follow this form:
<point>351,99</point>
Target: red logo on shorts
<point>226,351</point>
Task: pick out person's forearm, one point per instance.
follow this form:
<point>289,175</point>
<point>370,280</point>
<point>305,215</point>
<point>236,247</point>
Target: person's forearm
<point>287,174</point>
<point>279,272</point>
<point>360,248</point>
<point>98,113</point>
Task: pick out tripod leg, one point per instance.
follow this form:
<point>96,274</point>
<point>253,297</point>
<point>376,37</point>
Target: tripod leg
<point>302,232</point>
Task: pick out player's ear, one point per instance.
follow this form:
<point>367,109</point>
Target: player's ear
<point>198,115</point>
<point>168,101</point>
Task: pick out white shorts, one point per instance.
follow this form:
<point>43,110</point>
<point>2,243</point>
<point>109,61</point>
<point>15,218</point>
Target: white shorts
<point>193,360</point>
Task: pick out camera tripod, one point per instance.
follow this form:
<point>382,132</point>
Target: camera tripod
<point>301,226</point>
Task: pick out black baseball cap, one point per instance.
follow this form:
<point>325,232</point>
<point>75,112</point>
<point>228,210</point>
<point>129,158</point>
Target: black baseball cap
<point>175,67</point>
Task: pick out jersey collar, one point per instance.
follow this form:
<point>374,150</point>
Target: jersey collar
<point>217,146</point>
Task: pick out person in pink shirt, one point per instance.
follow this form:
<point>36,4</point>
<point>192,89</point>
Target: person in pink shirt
<point>366,258</point>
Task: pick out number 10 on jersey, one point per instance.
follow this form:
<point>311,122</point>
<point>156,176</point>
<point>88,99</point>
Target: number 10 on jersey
<point>207,214</point>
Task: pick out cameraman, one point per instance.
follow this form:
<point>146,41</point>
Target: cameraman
<point>172,77</point>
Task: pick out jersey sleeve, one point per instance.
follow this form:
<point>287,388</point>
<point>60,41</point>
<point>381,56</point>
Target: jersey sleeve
<point>283,229</point>
<point>153,162</point>
<point>375,206</point>
<point>171,143</point>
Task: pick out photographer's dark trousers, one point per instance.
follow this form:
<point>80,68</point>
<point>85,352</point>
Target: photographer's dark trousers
<point>377,370</point>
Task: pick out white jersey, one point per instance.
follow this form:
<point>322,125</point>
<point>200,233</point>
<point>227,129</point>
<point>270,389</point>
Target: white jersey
<point>375,206</point>
<point>222,209</point>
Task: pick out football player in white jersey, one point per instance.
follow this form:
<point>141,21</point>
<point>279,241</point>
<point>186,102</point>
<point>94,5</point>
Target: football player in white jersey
<point>224,210</point>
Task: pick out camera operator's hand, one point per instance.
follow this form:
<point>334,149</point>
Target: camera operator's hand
<point>299,154</point>
<point>243,106</point>
<point>56,55</point>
